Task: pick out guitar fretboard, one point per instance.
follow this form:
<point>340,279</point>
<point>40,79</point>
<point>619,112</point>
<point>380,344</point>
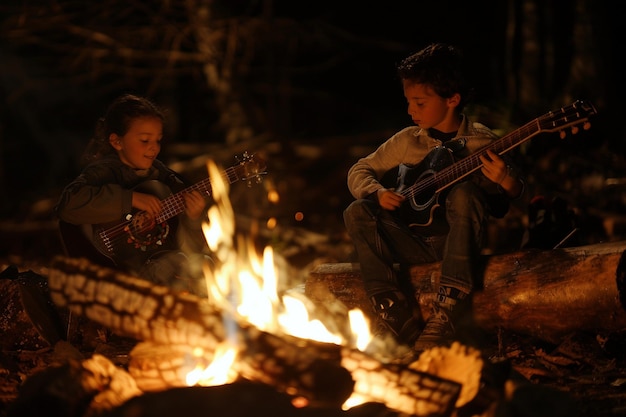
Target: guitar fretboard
<point>472,162</point>
<point>175,204</point>
<point>557,120</point>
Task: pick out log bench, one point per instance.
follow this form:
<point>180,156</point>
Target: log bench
<point>547,294</point>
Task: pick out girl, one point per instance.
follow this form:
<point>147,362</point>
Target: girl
<point>117,202</point>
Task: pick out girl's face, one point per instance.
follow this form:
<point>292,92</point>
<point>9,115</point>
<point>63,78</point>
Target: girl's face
<point>140,146</point>
<point>430,110</point>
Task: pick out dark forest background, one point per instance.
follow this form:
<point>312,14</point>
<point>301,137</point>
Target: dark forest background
<point>310,85</point>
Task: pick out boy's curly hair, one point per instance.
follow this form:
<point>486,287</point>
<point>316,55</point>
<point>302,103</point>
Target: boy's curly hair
<point>440,66</point>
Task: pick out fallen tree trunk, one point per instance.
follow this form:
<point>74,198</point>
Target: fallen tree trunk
<point>546,294</point>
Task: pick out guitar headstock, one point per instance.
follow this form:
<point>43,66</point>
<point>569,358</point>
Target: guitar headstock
<point>572,116</point>
<point>250,168</point>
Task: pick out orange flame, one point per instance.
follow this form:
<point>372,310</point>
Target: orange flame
<point>246,286</point>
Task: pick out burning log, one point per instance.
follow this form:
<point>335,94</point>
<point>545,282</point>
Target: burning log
<point>135,308</point>
<point>169,322</point>
<point>237,399</point>
<point>75,388</point>
<point>546,294</point>
<point>234,399</point>
<point>401,388</point>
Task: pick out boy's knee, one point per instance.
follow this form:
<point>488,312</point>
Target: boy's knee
<point>465,196</point>
<point>358,210</point>
<point>461,192</point>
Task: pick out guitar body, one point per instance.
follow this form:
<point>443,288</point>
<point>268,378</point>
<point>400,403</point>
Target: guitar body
<point>139,237</point>
<point>77,240</point>
<point>422,208</point>
<point>128,243</point>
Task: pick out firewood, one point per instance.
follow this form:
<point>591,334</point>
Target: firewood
<point>134,307</point>
<point>75,388</point>
<point>401,388</point>
<point>157,367</point>
<point>238,399</point>
<point>322,373</point>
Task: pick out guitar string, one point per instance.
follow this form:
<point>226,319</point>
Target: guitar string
<point>117,234</point>
<point>472,162</point>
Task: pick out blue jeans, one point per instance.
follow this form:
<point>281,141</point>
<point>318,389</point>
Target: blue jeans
<point>381,239</point>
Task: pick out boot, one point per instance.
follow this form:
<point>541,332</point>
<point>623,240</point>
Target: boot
<point>439,329</point>
<point>396,316</point>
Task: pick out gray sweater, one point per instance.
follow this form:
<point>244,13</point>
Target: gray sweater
<point>410,146</point>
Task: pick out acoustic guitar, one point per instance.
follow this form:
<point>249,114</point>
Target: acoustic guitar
<point>139,236</point>
<point>424,184</point>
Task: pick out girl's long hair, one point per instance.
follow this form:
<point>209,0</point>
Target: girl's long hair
<point>117,119</point>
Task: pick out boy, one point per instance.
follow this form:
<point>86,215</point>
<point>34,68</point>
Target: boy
<point>382,221</point>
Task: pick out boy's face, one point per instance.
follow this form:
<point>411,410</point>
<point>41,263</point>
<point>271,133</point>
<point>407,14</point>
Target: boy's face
<point>429,110</point>
<point>140,146</point>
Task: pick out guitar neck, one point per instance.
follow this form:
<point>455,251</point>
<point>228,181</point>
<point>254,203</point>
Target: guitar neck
<point>471,163</point>
<point>438,169</point>
<point>175,204</point>
<point>569,116</point>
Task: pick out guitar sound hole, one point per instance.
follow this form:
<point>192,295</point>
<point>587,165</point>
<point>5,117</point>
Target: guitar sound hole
<point>425,195</point>
<point>143,231</point>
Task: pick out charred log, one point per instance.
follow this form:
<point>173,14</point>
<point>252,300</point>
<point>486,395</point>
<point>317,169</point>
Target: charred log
<point>320,372</point>
<point>401,388</point>
<point>74,388</point>
<point>134,307</point>
<point>238,399</point>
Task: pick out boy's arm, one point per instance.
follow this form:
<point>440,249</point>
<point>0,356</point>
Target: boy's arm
<point>502,174</point>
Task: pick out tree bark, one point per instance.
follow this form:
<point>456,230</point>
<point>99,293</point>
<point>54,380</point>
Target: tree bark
<point>546,294</point>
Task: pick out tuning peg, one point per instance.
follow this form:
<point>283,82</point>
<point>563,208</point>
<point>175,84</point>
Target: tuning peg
<point>575,129</point>
<point>586,126</point>
<point>245,157</point>
<point>562,134</point>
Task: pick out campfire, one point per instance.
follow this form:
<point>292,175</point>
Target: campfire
<point>253,337</point>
